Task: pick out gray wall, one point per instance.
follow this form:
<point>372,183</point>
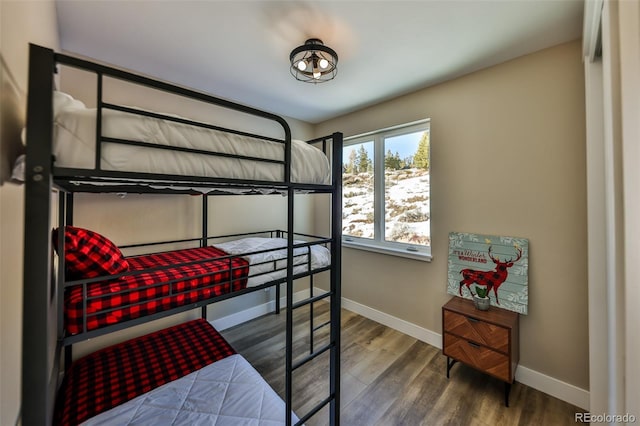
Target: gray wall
<point>508,158</point>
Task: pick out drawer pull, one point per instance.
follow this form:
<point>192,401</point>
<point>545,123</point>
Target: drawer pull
<point>472,319</point>
<point>475,345</point>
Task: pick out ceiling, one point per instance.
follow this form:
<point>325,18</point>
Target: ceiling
<point>240,49</point>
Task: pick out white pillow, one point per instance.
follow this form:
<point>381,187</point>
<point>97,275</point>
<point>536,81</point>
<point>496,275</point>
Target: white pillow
<point>61,102</point>
<point>64,102</point>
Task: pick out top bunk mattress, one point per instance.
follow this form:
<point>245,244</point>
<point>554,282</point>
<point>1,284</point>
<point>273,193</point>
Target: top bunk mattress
<point>75,134</point>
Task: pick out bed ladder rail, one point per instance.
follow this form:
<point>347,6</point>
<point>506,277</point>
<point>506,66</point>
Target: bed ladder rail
<point>312,327</point>
<point>334,293</point>
<point>314,354</point>
<point>312,299</point>
<point>315,409</point>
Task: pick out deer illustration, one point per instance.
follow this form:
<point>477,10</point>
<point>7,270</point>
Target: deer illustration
<point>490,279</point>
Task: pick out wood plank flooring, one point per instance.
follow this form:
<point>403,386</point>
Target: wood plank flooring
<point>388,378</point>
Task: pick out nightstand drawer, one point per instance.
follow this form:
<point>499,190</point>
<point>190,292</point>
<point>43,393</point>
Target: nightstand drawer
<point>480,357</point>
<point>484,333</point>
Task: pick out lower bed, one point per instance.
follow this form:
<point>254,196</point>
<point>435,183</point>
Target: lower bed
<point>186,374</point>
<point>162,281</point>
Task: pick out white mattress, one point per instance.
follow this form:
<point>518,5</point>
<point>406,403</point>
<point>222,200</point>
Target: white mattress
<point>229,392</point>
<point>276,260</point>
<point>74,147</point>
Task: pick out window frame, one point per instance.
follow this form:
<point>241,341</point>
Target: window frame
<point>378,244</point>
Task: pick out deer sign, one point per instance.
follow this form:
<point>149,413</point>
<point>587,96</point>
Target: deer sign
<point>490,279</point>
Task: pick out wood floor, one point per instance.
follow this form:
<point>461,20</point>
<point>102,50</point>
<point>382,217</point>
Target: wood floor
<point>388,378</point>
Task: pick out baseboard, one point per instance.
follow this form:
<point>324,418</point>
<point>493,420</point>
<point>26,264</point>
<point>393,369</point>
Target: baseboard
<point>554,387</point>
<point>254,312</point>
<point>549,385</point>
<point>406,327</point>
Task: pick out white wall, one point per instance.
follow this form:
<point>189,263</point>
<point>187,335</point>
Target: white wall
<point>629,16</point>
<point>598,373</point>
<point>21,22</point>
<point>613,125</point>
<point>629,37</point>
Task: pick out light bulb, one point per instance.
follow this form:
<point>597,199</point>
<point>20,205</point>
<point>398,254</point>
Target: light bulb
<point>316,72</point>
<point>302,65</point>
<point>324,63</point>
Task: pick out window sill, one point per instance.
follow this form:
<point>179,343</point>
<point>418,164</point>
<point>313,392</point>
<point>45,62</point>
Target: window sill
<point>424,257</point>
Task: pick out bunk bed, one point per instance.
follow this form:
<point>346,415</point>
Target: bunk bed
<point>78,285</point>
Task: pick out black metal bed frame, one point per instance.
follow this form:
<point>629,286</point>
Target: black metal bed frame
<point>43,332</point>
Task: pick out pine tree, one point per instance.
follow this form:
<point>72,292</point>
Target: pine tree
<point>392,161</point>
<point>397,161</point>
<point>363,162</point>
<point>351,165</point>
<point>408,161</point>
<point>388,160</point>
<point>421,158</point>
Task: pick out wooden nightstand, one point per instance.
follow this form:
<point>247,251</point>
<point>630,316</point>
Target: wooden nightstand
<point>485,340</point>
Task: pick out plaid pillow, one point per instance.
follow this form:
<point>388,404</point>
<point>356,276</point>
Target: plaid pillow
<point>88,254</point>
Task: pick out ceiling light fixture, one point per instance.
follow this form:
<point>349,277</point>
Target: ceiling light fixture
<point>313,62</point>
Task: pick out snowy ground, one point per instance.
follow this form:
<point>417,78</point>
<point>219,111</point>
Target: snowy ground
<point>407,205</point>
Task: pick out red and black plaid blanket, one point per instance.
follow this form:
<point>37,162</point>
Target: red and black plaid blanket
<point>119,373</point>
<point>144,293</point>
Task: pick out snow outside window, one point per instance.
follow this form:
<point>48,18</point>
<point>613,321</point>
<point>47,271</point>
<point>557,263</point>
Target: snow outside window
<point>386,192</point>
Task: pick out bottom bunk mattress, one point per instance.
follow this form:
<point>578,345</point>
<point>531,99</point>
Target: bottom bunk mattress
<point>186,374</point>
<point>229,392</point>
<point>267,257</point>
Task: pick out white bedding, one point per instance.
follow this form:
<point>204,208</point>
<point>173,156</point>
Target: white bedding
<point>229,392</point>
<point>259,272</point>
<point>74,146</point>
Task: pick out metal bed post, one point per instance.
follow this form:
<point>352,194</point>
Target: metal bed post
<point>289,318</point>
<point>311,329</point>
<point>40,356</point>
<point>277,295</point>
<point>333,347</point>
<point>69,209</point>
<point>336,267</point>
<point>203,242</point>
<point>205,220</point>
<point>65,217</point>
<point>99,106</point>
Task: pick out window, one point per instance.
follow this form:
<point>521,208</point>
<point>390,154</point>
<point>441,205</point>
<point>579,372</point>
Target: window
<point>386,192</point>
